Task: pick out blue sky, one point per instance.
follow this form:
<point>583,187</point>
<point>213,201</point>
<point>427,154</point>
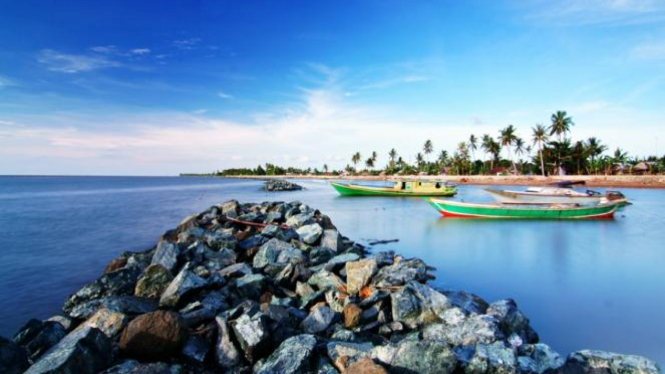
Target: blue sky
<point>135,88</point>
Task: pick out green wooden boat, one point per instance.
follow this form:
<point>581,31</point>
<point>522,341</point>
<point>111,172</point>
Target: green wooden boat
<point>465,210</point>
<point>400,188</point>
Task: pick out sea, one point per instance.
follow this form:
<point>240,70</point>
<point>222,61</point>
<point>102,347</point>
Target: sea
<point>583,284</point>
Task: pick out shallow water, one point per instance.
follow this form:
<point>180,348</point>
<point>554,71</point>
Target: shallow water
<point>583,284</point>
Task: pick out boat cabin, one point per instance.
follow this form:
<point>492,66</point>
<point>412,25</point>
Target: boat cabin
<point>420,186</point>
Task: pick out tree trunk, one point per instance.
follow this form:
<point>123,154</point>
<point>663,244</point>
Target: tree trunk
<point>542,162</point>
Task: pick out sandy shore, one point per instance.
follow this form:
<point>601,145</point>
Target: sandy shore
<point>613,181</point>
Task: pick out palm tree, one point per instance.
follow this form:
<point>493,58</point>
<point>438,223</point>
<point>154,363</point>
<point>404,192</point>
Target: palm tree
<point>561,124</point>
<point>356,159</point>
<point>443,157</point>
<point>419,160</point>
<point>428,147</point>
<point>539,137</point>
<point>473,145</point>
<point>507,138</point>
<point>392,154</point>
<point>325,168</point>
<point>519,148</point>
<point>579,153</point>
<point>369,163</point>
<point>595,149</point>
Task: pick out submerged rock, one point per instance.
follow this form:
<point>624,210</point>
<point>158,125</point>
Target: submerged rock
<point>293,356</point>
<point>275,185</point>
<point>85,351</point>
<point>153,336</point>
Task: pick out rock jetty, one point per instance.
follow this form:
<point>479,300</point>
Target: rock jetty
<point>276,185</point>
<point>275,288</point>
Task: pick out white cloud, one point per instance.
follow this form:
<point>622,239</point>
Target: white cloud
<point>223,95</point>
<point>70,63</point>
<point>186,44</point>
<point>6,82</point>
<point>107,49</point>
<point>587,12</point>
<point>140,51</point>
<point>649,51</point>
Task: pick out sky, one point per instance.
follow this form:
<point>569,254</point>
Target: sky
<point>145,88</point>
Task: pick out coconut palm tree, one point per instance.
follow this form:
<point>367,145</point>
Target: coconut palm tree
<point>539,137</point>
<point>443,157</point>
<point>392,154</point>
<point>519,148</point>
<point>325,168</point>
<point>369,163</point>
<point>428,147</point>
<point>507,138</point>
<point>579,154</point>
<point>419,160</point>
<point>594,149</point>
<point>561,124</point>
<point>473,145</point>
<point>356,159</point>
<point>486,144</point>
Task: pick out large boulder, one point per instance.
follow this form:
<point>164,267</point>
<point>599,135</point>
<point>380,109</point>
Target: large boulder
<point>426,357</point>
<point>253,336</point>
<point>119,282</point>
<point>107,321</point>
<point>318,320</point>
<point>153,281</point>
<point>475,329</point>
<point>269,252</point>
<point>183,283</point>
<point>331,239</point>
<point>130,305</point>
<point>13,359</point>
<point>85,351</point>
<point>153,336</point>
<point>401,272</point>
<point>512,320</point>
<point>227,355</point>
<point>291,357</point>
<point>38,337</point>
<point>358,274</point>
<point>310,233</point>
<point>538,359</point>
<point>600,362</point>
<point>251,286</point>
<point>416,304</point>
<point>166,255</point>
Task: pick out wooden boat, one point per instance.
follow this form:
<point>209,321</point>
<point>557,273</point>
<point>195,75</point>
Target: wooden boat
<point>466,210</point>
<point>556,193</point>
<point>400,188</point>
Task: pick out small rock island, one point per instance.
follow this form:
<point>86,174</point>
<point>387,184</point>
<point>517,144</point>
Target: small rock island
<point>276,185</point>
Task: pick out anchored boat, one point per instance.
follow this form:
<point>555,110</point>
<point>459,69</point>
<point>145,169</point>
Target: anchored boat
<point>557,193</point>
<point>466,210</point>
<point>399,188</point>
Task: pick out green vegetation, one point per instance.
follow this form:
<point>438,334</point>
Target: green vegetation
<point>549,151</point>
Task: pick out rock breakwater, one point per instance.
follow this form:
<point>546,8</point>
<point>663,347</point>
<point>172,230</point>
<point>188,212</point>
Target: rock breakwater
<point>275,288</point>
<point>275,185</point>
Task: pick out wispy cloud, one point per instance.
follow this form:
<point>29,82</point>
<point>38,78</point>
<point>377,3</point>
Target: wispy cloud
<point>649,51</point>
<point>72,63</point>
<point>140,51</point>
<point>389,82</point>
<point>6,82</point>
<point>224,95</point>
<point>187,44</point>
<point>587,12</point>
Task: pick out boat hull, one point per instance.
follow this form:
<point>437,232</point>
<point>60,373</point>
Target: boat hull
<point>464,210</point>
<point>515,197</point>
<point>355,190</point>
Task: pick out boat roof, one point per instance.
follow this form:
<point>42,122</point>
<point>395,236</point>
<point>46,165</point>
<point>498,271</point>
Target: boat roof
<point>565,184</point>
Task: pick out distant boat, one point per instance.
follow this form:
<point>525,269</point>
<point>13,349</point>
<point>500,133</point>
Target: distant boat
<point>466,210</point>
<point>556,193</point>
<point>400,188</point>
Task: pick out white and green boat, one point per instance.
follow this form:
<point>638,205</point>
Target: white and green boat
<point>458,209</point>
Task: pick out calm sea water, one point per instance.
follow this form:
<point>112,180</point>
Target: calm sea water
<point>590,284</point>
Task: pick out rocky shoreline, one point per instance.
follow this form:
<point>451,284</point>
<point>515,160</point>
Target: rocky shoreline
<point>275,288</point>
<point>277,185</point>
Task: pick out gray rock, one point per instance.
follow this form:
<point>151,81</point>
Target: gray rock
<point>354,351</point>
<point>251,286</point>
<point>495,358</point>
<point>291,256</point>
<point>166,255</point>
<point>318,320</point>
<point>274,185</point>
<point>204,310</point>
<point>300,220</point>
<point>229,206</point>
<point>119,282</point>
<point>274,217</point>
<point>383,353</point>
<point>512,320</point>
<point>217,240</point>
<point>85,351</point>
<point>416,304</point>
<point>303,289</point>
<point>600,362</point>
<point>196,349</point>
<point>135,367</point>
<point>476,329</point>
<point>270,231</point>
<point>288,235</point>
<point>107,321</point>
<point>236,270</point>
<point>38,337</point>
<point>226,354</point>
<point>183,283</point>
<point>291,357</point>
<point>341,260</point>
<point>310,233</point>
<point>308,300</point>
<point>252,241</point>
<point>153,281</point>
<point>358,274</point>
<point>269,252</point>
<point>401,272</point>
<point>320,255</point>
<point>331,239</point>
<point>13,359</point>
<point>425,357</point>
<point>65,321</point>
<point>125,304</point>
<point>538,359</point>
<point>325,280</point>
<point>467,302</point>
<point>252,334</point>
